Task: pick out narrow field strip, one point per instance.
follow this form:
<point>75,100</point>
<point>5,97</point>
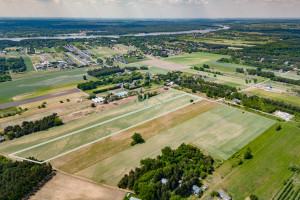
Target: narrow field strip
<point>99,124</point>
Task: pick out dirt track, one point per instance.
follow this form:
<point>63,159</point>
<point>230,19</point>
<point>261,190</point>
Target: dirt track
<point>64,186</point>
<point>40,98</point>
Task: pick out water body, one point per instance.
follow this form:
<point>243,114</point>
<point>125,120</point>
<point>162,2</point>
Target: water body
<point>115,36</point>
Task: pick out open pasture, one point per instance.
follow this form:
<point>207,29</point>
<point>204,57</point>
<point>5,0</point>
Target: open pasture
<point>227,79</point>
<point>233,130</point>
<point>290,99</point>
<point>194,59</point>
<point>263,175</point>
<point>165,64</point>
<point>27,84</point>
<point>209,117</point>
<point>99,125</point>
<point>88,156</point>
<point>103,51</point>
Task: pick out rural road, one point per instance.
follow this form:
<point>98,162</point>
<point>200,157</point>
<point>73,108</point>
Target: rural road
<point>40,98</point>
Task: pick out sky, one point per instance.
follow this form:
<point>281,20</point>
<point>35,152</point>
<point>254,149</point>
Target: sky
<point>151,8</point>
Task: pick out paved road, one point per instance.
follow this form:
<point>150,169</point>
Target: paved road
<point>40,98</point>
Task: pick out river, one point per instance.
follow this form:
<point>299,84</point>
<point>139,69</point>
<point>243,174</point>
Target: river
<point>114,36</point>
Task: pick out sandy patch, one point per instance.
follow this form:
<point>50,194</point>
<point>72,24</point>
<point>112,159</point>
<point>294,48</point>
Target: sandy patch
<point>64,186</point>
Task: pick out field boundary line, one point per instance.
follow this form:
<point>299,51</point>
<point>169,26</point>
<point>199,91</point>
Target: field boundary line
<point>87,144</point>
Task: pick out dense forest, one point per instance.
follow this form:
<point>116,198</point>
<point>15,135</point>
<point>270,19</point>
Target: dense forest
<point>32,126</point>
<point>181,169</point>
<point>113,79</point>
<point>14,65</point>
<point>19,178</point>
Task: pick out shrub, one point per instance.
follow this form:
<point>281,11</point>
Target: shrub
<point>137,139</point>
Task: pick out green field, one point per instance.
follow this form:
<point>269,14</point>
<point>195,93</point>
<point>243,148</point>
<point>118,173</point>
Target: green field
<point>36,138</point>
<point>227,79</point>
<point>31,81</point>
<point>220,128</point>
<point>195,59</point>
<point>103,51</point>
<point>76,140</point>
<point>157,70</point>
<point>294,100</point>
<point>290,75</point>
<point>263,175</point>
<point>28,64</point>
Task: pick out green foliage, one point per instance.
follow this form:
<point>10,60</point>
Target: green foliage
<point>18,178</point>
<point>58,121</point>
<point>137,139</point>
<point>184,165</point>
<point>93,105</point>
<point>248,153</point>
<point>278,127</point>
<point>214,194</point>
<point>253,197</point>
<point>31,127</point>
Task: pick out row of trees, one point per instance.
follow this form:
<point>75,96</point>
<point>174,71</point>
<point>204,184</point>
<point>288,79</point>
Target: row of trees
<point>19,178</point>
<point>104,71</point>
<point>32,126</point>
<point>258,72</point>
<point>181,168</point>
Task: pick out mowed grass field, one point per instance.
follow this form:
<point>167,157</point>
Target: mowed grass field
<point>206,127</point>
<point>73,141</point>
<point>36,138</point>
<point>263,175</point>
<point>28,63</point>
<point>225,130</point>
<point>194,59</point>
<point>28,83</point>
<point>294,100</point>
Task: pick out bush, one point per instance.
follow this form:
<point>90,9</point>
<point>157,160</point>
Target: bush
<point>278,128</point>
<point>58,122</point>
<point>93,105</point>
<point>214,194</point>
<point>253,197</point>
<point>137,139</point>
<point>248,154</point>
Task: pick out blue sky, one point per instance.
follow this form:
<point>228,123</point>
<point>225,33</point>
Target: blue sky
<point>151,8</point>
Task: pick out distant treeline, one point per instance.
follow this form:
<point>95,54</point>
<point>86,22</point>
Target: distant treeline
<point>32,126</point>
<point>104,71</point>
<point>19,178</point>
<point>286,80</point>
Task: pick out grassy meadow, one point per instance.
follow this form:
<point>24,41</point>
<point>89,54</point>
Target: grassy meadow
<point>294,100</point>
<point>20,85</point>
<point>263,175</point>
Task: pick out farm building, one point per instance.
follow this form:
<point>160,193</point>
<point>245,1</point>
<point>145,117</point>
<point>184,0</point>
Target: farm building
<point>196,190</point>
<point>121,94</point>
<point>2,139</point>
<point>98,100</point>
<point>223,195</point>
